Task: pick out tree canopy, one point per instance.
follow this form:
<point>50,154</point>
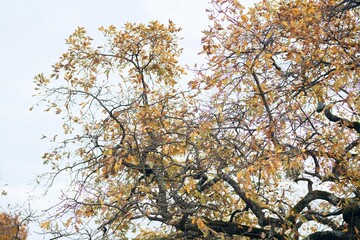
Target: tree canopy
<point>262,143</point>
<point>11,228</point>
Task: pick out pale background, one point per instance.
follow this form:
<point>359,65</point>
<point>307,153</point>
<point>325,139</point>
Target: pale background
<point>32,37</point>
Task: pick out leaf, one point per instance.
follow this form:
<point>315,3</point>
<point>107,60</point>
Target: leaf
<point>45,225</point>
<point>202,226</point>
<point>244,18</point>
<point>68,222</point>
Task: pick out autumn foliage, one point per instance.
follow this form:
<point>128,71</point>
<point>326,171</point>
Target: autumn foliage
<point>11,228</point>
<point>262,144</point>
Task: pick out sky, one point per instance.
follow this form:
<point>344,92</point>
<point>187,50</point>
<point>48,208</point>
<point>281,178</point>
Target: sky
<point>33,34</point>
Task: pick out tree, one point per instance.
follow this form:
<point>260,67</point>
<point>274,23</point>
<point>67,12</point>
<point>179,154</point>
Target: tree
<point>11,228</point>
<point>263,145</point>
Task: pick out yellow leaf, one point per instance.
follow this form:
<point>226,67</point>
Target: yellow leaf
<point>202,226</point>
<point>67,224</point>
<point>244,18</point>
<point>45,225</point>
<point>187,188</point>
<point>268,55</point>
<point>279,150</point>
<point>116,114</point>
<point>108,151</point>
<point>240,176</point>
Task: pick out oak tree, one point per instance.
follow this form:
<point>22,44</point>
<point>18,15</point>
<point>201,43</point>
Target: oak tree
<point>11,228</point>
<point>263,144</point>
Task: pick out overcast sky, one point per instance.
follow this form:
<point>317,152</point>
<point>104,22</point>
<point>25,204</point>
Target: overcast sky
<point>32,38</point>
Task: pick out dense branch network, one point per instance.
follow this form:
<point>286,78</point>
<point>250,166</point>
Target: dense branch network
<point>252,149</point>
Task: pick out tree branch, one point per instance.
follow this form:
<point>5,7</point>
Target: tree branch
<point>333,235</point>
<point>243,230</point>
<point>255,208</point>
<point>311,196</point>
<point>342,121</point>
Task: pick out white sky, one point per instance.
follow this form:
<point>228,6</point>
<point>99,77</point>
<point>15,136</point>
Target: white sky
<point>32,38</point>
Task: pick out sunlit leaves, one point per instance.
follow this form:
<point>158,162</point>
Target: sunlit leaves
<point>246,134</point>
<point>11,228</point>
<point>278,60</point>
<point>151,47</point>
<point>121,108</point>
